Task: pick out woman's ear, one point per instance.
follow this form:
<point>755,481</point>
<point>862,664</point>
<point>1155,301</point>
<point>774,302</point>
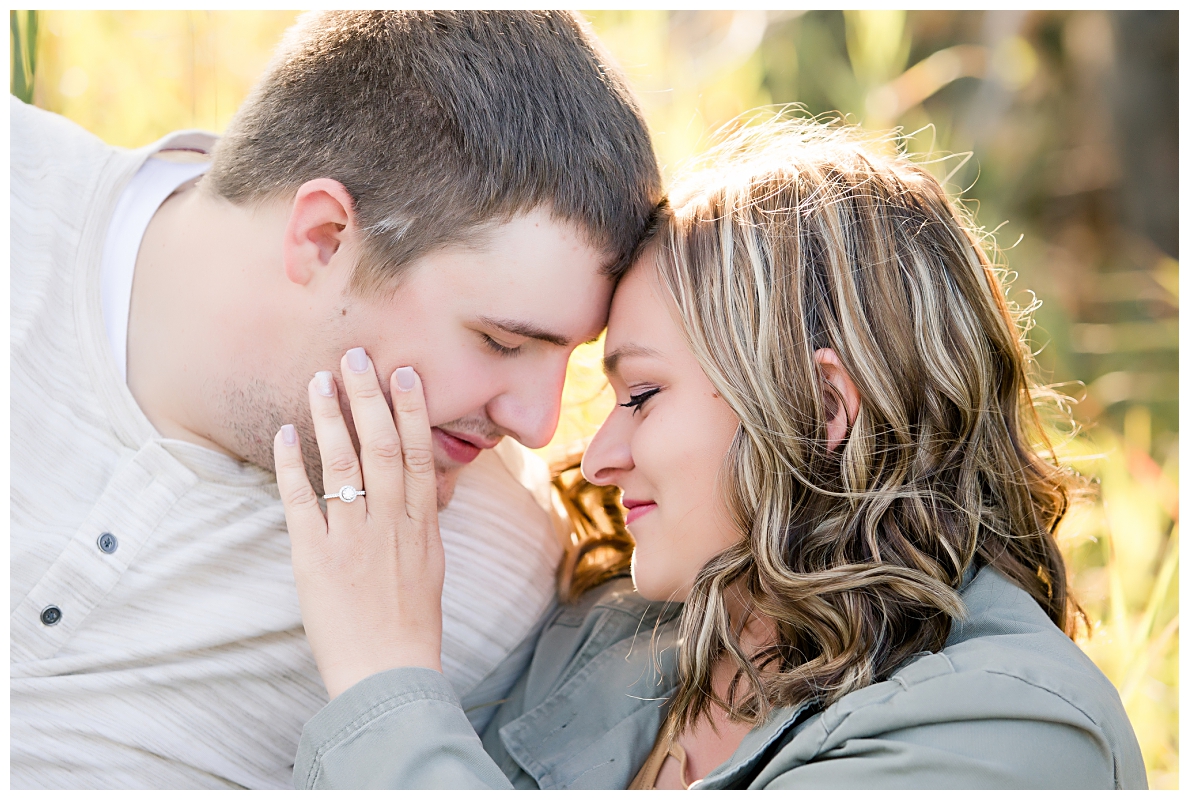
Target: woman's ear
<point>842,396</point>
<point>321,219</point>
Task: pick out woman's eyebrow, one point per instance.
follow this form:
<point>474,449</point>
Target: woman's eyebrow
<point>611,360</point>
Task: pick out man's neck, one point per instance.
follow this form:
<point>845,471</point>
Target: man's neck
<point>184,323</point>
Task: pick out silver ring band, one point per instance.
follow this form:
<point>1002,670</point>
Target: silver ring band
<point>347,494</point>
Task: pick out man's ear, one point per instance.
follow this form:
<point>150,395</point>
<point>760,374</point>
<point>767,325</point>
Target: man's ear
<point>322,217</point>
<point>842,396</point>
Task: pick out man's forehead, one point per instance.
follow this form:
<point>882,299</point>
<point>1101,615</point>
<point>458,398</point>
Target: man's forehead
<point>532,277</point>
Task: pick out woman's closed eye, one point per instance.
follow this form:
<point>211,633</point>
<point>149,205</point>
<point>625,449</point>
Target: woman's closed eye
<point>636,401</point>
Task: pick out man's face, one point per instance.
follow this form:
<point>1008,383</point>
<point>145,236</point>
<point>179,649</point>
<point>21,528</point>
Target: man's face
<point>489,327</point>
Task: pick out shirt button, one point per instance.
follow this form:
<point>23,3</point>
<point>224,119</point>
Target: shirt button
<point>51,615</point>
<point>107,543</point>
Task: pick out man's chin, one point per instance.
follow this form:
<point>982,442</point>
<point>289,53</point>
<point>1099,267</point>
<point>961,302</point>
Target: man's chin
<point>447,480</point>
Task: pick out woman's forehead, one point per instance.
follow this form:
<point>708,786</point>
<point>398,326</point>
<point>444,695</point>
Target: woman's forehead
<point>642,322</point>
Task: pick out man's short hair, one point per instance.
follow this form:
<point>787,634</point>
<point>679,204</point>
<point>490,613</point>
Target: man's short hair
<point>440,123</point>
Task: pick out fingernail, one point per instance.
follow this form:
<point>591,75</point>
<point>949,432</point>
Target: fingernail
<point>357,359</point>
<point>325,383</point>
<point>289,435</point>
<point>405,378</point>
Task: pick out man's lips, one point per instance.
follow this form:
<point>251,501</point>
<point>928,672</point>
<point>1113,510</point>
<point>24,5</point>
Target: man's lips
<point>636,509</point>
<point>461,447</point>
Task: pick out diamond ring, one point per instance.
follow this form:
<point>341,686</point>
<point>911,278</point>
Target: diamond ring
<point>347,494</point>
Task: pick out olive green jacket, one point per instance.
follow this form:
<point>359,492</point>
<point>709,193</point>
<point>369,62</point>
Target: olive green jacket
<point>1009,702</point>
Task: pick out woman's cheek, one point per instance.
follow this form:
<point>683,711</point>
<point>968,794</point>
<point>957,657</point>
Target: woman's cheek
<point>662,573</point>
<point>642,576</point>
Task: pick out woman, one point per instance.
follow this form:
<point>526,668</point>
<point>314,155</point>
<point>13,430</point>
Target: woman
<point>825,443</point>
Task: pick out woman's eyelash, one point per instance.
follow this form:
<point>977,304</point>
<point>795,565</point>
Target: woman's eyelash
<point>637,400</point>
<point>498,348</point>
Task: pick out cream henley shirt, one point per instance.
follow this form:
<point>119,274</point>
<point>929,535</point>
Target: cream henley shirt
<point>156,640</point>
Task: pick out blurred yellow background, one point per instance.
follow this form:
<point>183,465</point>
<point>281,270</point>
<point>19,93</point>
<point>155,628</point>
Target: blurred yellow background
<point>1071,119</point>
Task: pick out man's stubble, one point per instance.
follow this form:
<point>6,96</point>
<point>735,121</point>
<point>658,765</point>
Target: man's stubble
<point>254,411</point>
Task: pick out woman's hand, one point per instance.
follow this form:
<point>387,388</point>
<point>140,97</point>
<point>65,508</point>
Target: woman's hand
<point>369,573</point>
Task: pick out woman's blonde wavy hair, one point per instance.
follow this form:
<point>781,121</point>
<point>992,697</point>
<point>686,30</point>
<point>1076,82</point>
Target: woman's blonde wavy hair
<point>796,235</point>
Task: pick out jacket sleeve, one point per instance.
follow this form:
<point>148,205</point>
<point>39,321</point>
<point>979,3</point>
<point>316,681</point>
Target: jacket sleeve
<point>400,729</point>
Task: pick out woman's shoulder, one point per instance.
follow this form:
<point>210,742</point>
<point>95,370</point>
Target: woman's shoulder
<point>1010,701</point>
<point>1007,634</point>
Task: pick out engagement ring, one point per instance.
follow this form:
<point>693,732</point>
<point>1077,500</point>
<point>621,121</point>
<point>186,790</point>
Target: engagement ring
<point>347,494</point>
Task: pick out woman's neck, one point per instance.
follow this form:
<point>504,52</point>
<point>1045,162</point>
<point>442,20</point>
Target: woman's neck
<point>714,736</point>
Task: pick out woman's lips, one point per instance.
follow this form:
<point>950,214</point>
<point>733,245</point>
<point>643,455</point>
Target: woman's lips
<point>636,509</point>
<point>455,449</point>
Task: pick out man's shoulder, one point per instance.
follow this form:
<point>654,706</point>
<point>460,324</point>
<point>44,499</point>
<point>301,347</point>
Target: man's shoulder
<point>529,470</point>
<point>39,136</point>
<point>56,170</point>
<point>44,144</point>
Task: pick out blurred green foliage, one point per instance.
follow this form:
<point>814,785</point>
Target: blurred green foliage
<point>22,27</point>
<point>1070,118</point>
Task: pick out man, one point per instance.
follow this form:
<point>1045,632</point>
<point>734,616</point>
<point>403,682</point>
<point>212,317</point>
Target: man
<point>452,191</point>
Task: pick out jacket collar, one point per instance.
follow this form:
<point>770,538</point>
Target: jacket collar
<point>754,751</point>
<point>580,736</point>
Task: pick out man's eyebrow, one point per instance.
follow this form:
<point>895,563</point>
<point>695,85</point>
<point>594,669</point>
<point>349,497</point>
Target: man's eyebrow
<point>611,361</point>
<point>528,330</point>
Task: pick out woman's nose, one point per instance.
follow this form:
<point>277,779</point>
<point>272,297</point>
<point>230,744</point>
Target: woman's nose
<point>609,453</point>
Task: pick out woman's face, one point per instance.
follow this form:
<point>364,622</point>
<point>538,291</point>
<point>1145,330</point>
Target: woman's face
<point>665,448</point>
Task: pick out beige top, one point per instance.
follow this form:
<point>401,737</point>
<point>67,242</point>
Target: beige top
<point>156,639</point>
<point>666,747</point>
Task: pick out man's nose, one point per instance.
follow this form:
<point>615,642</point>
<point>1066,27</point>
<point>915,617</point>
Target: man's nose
<point>609,453</point>
<point>530,409</point>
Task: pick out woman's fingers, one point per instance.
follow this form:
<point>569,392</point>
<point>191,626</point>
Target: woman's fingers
<point>379,445</point>
<point>397,467</point>
<point>370,588</point>
<point>340,464</point>
<point>302,512</point>
<point>412,423</point>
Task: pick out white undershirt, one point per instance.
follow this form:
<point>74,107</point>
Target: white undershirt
<point>149,188</point>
